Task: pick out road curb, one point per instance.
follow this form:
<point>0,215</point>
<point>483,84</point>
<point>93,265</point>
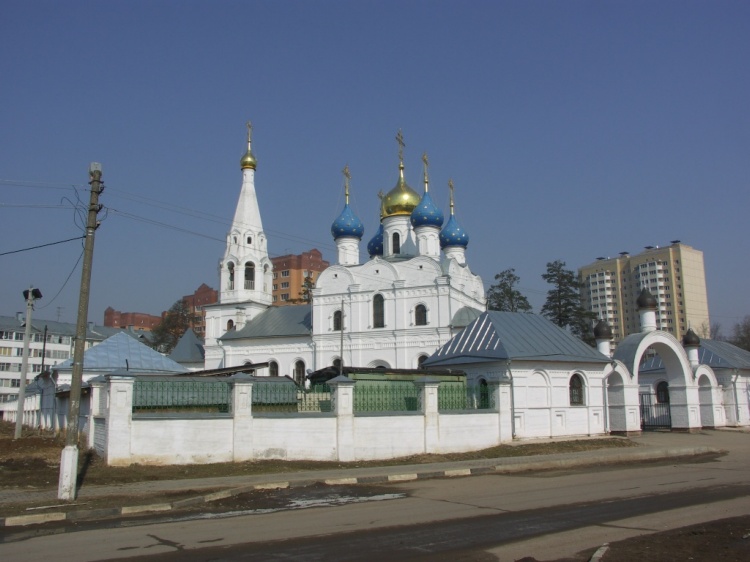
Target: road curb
<point>508,466</point>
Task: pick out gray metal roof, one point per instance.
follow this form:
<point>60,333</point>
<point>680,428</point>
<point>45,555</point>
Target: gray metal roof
<point>189,349</point>
<point>121,351</point>
<point>276,322</point>
<point>715,354</point>
<point>498,336</point>
<point>465,316</point>
<point>93,331</point>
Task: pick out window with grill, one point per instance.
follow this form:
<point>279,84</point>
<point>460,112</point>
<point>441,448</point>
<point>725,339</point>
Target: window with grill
<point>576,390</point>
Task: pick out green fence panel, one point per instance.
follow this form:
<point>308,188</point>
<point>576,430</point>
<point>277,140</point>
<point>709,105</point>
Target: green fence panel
<point>181,396</point>
<point>457,396</point>
<point>387,396</point>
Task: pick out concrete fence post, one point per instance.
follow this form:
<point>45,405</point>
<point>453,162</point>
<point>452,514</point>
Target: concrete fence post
<point>241,408</point>
<point>342,390</point>
<point>500,399</point>
<point>120,419</point>
<point>428,402</point>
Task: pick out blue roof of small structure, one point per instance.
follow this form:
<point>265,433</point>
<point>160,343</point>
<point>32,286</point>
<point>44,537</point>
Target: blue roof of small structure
<point>189,349</point>
<point>715,354</point>
<point>93,331</point>
<point>276,322</point>
<point>499,336</point>
<point>121,351</point>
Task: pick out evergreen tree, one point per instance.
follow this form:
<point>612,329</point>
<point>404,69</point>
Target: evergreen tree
<point>563,305</point>
<point>741,334</point>
<point>171,328</point>
<point>504,296</point>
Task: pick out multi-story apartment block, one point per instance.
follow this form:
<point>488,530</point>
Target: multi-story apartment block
<point>290,273</point>
<point>673,274</point>
<point>204,295</point>
<point>50,343</point>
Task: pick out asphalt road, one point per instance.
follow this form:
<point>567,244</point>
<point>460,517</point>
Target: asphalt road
<point>545,515</point>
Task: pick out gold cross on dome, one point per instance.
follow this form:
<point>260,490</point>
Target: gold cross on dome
<point>347,176</point>
<point>401,145</point>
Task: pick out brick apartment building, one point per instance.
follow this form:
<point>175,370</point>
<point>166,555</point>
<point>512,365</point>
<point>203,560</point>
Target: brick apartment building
<point>136,320</point>
<point>290,272</point>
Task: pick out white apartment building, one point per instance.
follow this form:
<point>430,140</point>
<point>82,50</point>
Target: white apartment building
<point>673,274</point>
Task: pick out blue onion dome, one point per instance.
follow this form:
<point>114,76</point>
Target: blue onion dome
<point>347,224</point>
<point>453,234</point>
<point>427,213</point>
<point>375,245</point>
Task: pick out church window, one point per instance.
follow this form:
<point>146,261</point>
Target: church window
<point>250,275</point>
<point>421,360</point>
<point>337,323</point>
<point>378,312</point>
<point>420,315</point>
<point>230,325</point>
<point>662,393</point>
<point>273,368</point>
<point>249,240</point>
<point>337,363</point>
<point>230,267</point>
<point>299,372</point>
<point>396,243</point>
<point>576,390</point>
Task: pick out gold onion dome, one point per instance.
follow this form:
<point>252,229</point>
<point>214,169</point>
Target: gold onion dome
<point>402,199</point>
<point>248,162</point>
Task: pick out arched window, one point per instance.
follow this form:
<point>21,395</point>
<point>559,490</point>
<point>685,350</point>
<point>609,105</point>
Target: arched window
<point>249,371</point>
<point>396,243</point>
<point>230,325</point>
<point>378,312</point>
<point>337,324</point>
<point>299,372</point>
<point>576,390</point>
<point>230,267</point>
<point>337,364</point>
<point>662,393</point>
<point>273,369</point>
<point>420,315</point>
<point>250,276</point>
<point>422,359</point>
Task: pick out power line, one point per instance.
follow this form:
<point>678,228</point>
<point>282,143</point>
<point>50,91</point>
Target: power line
<point>42,246</point>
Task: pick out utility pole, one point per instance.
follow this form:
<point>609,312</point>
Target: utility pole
<point>69,461</point>
<point>30,295</point>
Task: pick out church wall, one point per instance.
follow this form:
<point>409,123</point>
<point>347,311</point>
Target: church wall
<point>541,396</point>
<point>311,438</point>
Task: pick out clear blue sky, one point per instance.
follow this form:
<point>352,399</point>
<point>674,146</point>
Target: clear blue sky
<point>571,130</point>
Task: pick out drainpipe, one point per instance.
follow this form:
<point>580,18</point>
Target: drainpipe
<point>736,397</point>
<point>512,401</point>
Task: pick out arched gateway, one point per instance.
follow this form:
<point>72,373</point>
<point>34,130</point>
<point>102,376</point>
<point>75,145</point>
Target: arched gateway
<point>684,399</point>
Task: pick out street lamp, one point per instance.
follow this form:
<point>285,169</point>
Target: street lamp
<point>30,295</point>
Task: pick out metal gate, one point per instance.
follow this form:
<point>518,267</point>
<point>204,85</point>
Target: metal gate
<point>654,415</point>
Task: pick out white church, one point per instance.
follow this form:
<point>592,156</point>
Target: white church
<point>414,291</point>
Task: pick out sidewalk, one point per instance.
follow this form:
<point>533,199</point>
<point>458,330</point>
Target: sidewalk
<point>144,497</point>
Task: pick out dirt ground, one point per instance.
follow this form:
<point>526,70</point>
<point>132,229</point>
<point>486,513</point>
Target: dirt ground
<point>33,462</point>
